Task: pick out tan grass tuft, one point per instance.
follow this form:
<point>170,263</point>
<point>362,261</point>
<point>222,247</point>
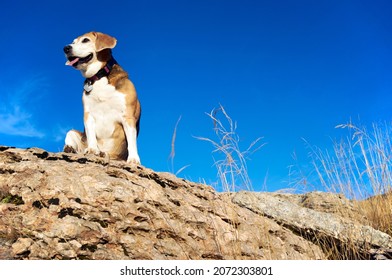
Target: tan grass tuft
<point>230,160</point>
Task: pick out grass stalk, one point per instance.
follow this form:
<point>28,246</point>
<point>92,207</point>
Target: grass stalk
<point>229,159</point>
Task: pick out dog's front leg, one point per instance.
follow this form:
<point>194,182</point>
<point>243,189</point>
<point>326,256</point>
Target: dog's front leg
<point>129,126</point>
<point>92,144</point>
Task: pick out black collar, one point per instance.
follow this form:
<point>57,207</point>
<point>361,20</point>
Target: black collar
<point>104,72</point>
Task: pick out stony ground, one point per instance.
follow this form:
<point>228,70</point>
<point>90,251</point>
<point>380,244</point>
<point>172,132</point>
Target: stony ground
<point>67,206</point>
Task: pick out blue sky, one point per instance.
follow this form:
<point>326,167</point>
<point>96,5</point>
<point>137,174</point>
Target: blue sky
<point>283,70</point>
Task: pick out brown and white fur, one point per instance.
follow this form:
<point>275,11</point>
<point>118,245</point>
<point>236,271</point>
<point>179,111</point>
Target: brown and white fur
<point>111,107</point>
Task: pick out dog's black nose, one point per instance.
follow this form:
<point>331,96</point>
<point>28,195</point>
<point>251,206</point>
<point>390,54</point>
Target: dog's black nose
<point>67,49</point>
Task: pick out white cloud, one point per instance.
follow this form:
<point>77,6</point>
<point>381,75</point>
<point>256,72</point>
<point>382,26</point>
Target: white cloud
<point>16,118</point>
<point>18,123</point>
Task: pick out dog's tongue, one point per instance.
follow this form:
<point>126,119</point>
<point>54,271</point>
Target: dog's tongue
<point>70,63</point>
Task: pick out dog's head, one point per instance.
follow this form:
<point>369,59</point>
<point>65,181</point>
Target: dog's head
<point>89,52</point>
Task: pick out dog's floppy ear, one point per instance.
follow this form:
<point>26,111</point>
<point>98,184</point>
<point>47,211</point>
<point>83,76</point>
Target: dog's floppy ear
<point>104,41</point>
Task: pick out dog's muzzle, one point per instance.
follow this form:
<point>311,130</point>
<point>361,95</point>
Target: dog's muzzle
<point>74,60</point>
<point>67,49</point>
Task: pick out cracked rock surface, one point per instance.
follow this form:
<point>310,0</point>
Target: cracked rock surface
<point>68,206</point>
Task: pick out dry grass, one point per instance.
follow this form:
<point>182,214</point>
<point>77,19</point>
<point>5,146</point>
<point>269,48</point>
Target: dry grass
<point>378,210</point>
<point>359,167</point>
<point>229,159</point>
<point>173,150</point>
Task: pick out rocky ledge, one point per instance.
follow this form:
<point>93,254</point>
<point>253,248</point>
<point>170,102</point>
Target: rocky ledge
<point>68,206</point>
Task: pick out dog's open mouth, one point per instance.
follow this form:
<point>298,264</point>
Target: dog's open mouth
<point>75,61</point>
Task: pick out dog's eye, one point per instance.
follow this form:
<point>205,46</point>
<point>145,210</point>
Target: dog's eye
<point>86,40</point>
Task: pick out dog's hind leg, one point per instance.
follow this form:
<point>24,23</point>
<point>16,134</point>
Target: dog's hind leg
<point>75,142</point>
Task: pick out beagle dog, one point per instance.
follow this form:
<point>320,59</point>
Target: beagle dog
<point>111,108</point>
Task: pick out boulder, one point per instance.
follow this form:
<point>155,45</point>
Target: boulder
<point>70,206</point>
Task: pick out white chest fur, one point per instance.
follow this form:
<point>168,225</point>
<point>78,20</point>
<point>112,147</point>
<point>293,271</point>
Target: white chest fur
<point>106,106</point>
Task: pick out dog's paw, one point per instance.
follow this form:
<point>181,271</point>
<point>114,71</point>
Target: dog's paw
<point>133,159</point>
<point>103,155</point>
<point>96,152</point>
<point>92,151</point>
<point>69,149</point>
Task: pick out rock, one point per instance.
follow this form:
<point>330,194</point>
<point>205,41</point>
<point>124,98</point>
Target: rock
<point>381,254</point>
<point>325,228</point>
<point>332,203</point>
<point>69,206</point>
<point>21,246</point>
